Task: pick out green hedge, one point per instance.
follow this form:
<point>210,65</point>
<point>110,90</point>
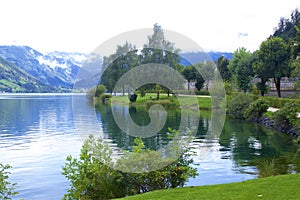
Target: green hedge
<point>280,102</point>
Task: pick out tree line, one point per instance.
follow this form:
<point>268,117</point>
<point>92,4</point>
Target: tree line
<point>277,57</point>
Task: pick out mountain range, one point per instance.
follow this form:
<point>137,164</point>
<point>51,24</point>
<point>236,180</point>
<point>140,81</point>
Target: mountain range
<point>24,69</point>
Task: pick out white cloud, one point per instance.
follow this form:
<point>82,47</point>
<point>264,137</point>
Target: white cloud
<point>82,25</point>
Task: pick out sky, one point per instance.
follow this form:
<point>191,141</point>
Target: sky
<point>82,25</point>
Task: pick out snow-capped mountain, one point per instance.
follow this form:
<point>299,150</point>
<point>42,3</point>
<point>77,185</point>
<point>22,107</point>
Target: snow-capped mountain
<point>58,69</point>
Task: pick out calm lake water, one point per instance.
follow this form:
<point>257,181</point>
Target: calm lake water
<point>37,133</point>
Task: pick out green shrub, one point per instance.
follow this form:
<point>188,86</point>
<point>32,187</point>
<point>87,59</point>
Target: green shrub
<point>256,109</point>
<point>202,92</point>
<point>92,177</point>
<point>277,102</point>
<point>133,97</point>
<point>96,91</point>
<point>143,92</point>
<point>6,188</point>
<point>286,115</point>
<point>238,104</point>
<point>228,87</point>
<point>105,97</point>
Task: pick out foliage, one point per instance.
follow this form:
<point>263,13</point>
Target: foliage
<point>96,91</point>
<point>133,97</point>
<point>202,92</point>
<point>241,68</point>
<point>6,188</point>
<point>287,28</point>
<point>92,177</point>
<point>256,109</point>
<point>189,73</point>
<point>143,92</point>
<point>286,115</point>
<point>207,71</point>
<point>100,89</point>
<point>158,50</point>
<point>222,66</point>
<point>274,56</point>
<point>104,97</point>
<point>269,167</point>
<point>280,102</point>
<point>199,82</point>
<point>228,87</point>
<point>238,104</point>
<point>261,71</point>
<point>117,64</point>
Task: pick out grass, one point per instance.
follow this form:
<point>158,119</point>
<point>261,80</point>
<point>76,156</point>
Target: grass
<point>276,187</point>
<point>150,99</point>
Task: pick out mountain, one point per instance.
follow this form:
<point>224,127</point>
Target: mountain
<point>57,69</point>
<point>14,79</point>
<point>188,58</point>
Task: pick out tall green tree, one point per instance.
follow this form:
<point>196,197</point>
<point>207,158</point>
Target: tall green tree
<point>189,73</point>
<point>262,72</point>
<point>241,68</point>
<point>222,66</point>
<point>275,55</point>
<point>286,28</point>
<point>117,64</point>
<point>207,71</point>
<point>161,51</point>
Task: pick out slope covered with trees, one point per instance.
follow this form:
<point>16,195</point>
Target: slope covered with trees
<point>14,79</point>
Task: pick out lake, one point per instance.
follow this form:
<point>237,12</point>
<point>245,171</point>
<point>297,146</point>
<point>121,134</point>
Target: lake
<point>38,132</point>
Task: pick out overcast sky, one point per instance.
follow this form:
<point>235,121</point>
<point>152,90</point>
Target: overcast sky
<point>71,25</point>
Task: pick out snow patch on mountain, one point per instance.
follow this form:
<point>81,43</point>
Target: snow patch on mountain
<point>53,63</point>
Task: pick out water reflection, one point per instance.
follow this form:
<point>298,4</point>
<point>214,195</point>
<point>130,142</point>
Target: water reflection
<point>37,132</point>
<point>235,156</point>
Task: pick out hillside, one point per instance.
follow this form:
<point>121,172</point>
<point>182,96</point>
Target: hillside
<point>14,79</point>
<point>54,69</point>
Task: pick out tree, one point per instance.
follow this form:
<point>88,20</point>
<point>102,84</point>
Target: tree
<point>189,73</point>
<point>207,71</point>
<point>275,55</point>
<point>287,27</point>
<point>117,64</point>
<point>92,176</point>
<point>6,188</point>
<point>161,51</point>
<point>261,72</point>
<point>222,66</point>
<point>199,82</point>
<point>241,68</point>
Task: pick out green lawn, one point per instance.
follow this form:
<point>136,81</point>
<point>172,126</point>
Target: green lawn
<point>187,101</point>
<point>277,187</point>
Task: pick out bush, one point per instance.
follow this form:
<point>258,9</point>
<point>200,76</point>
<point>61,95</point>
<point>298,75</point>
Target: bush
<point>277,102</point>
<point>143,92</point>
<point>6,188</point>
<point>202,92</point>
<point>133,97</point>
<point>228,87</point>
<point>92,177</point>
<point>286,115</point>
<point>256,109</point>
<point>96,91</point>
<point>105,97</point>
<point>238,104</point>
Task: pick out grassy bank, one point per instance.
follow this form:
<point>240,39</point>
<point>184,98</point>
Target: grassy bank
<point>150,99</point>
<point>277,187</point>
